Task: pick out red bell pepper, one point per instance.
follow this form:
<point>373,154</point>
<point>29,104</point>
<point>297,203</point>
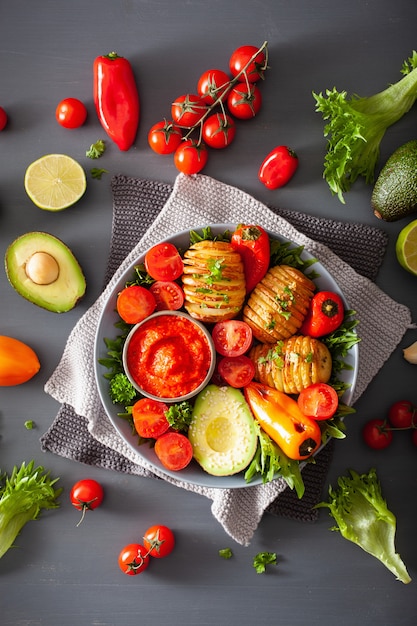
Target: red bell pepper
<point>116,98</point>
<point>325,314</point>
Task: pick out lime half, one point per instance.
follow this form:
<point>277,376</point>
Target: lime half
<point>55,182</point>
<point>406,247</point>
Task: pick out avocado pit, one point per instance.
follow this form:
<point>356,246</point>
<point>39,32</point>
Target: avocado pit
<point>42,268</point>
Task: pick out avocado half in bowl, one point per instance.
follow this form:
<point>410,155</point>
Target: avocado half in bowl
<point>229,469</point>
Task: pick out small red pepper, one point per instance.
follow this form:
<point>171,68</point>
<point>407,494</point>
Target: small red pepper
<point>325,314</point>
<point>278,167</point>
<point>116,98</point>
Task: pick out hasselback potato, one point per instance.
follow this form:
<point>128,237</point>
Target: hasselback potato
<point>292,365</point>
<point>213,281</point>
<point>279,303</point>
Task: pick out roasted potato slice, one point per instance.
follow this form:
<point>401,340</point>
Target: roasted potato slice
<point>279,303</point>
<point>292,365</point>
<point>213,281</point>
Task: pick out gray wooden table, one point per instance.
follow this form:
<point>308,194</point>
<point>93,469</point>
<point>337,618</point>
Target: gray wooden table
<point>61,574</point>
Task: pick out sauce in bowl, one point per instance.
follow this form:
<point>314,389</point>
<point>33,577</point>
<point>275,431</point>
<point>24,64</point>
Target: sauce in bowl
<point>169,356</point>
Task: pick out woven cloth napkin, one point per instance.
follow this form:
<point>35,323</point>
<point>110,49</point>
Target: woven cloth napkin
<point>145,212</point>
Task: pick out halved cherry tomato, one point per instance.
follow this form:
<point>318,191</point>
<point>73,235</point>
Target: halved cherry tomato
<point>232,337</point>
<point>164,137</point>
<point>252,243</point>
<point>241,56</point>
<point>212,84</point>
<point>168,295</point>
<point>149,418</point>
<point>174,450</point>
<point>278,167</point>
<point>190,157</point>
<point>237,371</point>
<point>71,113</point>
<point>159,541</point>
<point>3,118</point>
<point>188,110</point>
<point>219,130</point>
<point>135,303</point>
<point>164,262</point>
<point>319,401</point>
<point>133,559</point>
<point>377,434</point>
<point>244,101</point>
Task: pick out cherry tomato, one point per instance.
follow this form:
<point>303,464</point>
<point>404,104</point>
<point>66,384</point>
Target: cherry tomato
<point>241,57</point>
<point>163,262</point>
<point>252,243</point>
<point>174,450</point>
<point>86,495</point>
<point>212,84</point>
<point>133,559</point>
<point>237,371</point>
<point>149,418</point>
<point>168,295</point>
<point>278,167</point>
<point>377,434</point>
<point>402,414</point>
<point>135,303</point>
<point>3,118</point>
<point>190,157</point>
<point>219,130</point>
<point>71,113</point>
<point>164,137</point>
<point>159,541</point>
<point>319,401</point>
<point>188,110</point>
<point>232,337</point>
<point>244,101</point>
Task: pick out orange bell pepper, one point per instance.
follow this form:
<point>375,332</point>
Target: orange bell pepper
<point>18,362</point>
<point>279,416</point>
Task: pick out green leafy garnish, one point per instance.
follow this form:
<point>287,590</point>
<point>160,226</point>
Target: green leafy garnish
<point>206,234</point>
<point>362,516</point>
<point>226,553</point>
<point>357,125</point>
<point>262,559</point>
<point>29,424</point>
<point>22,497</point>
<point>97,172</point>
<point>96,150</point>
<point>179,415</point>
<point>121,390</point>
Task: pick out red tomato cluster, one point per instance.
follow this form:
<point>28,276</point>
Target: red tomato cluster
<point>158,542</point>
<point>207,118</point>
<point>402,415</point>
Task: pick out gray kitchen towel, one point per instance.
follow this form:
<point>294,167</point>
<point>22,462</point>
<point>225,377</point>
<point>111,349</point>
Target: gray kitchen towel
<point>146,212</point>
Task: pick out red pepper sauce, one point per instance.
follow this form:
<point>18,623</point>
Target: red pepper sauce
<point>168,356</point>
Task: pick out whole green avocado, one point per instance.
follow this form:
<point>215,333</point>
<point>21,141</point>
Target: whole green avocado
<point>395,192</point>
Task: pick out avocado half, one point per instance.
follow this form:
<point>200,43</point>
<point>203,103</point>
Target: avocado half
<point>222,431</point>
<point>43,270</point>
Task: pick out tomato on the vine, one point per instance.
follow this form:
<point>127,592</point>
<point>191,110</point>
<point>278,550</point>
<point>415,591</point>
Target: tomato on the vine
<point>244,101</point>
<point>252,243</point>
<point>402,414</point>
<point>219,130</point>
<point>164,262</point>
<point>377,434</point>
<point>319,401</point>
<point>71,113</point>
<point>232,337</point>
<point>237,371</point>
<point>135,303</point>
<point>159,540</point>
<point>212,84</point>
<point>174,450</point>
<point>164,137</point>
<point>241,57</point>
<point>86,495</point>
<point>3,118</point>
<point>149,418</point>
<point>133,559</point>
<point>168,295</point>
<point>190,157</point>
<point>188,110</point>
